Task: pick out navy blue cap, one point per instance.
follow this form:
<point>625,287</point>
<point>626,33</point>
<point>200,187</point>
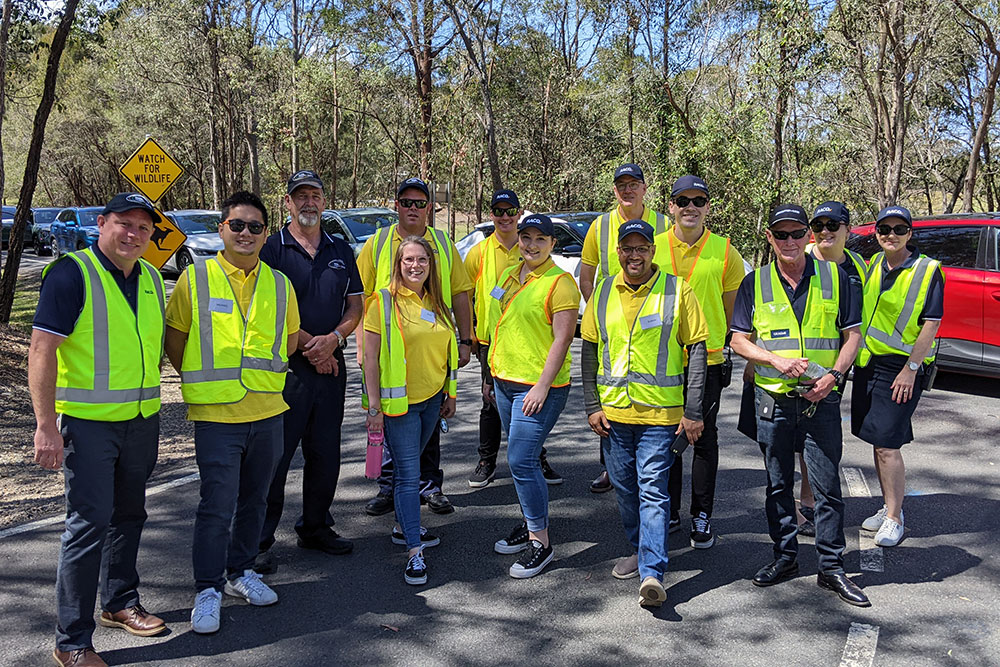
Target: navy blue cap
<point>895,212</point>
<point>688,182</point>
<point>833,210</point>
<point>629,169</point>
<point>413,182</point>
<point>507,196</point>
<point>303,177</point>
<point>126,201</point>
<point>636,226</point>
<point>539,221</point>
<point>792,212</point>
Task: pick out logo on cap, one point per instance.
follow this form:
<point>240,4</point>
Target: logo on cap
<point>895,211</point>
<point>785,210</point>
<point>503,195</point>
<point>302,174</point>
<point>634,225</point>
<point>825,209</point>
<point>136,198</point>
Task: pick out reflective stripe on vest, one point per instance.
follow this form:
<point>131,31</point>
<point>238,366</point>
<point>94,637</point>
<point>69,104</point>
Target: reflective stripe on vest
<point>632,377</point>
<point>603,222</point>
<point>705,278</point>
<point>217,376</point>
<point>860,265</point>
<point>485,282</point>
<point>84,364</point>
<point>893,328</point>
<point>382,258</point>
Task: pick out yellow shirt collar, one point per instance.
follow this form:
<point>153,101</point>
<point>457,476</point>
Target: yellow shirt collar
<point>230,269</point>
<point>645,287</point>
<point>677,243</point>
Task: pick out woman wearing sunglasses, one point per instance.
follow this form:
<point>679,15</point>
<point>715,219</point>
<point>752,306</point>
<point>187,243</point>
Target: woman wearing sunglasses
<point>902,310</point>
<point>532,317</point>
<point>411,364</point>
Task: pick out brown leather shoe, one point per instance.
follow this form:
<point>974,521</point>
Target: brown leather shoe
<point>135,619</point>
<point>81,657</point>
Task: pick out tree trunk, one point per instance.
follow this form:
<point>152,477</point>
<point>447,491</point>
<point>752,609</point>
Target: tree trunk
<point>9,279</point>
<point>8,7</point>
<point>980,137</point>
<point>295,102</point>
<point>337,119</point>
<point>253,152</point>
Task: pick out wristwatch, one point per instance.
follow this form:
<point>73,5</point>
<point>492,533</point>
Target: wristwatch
<point>913,366</point>
<point>465,341</point>
<point>373,411</point>
<point>341,341</point>
<point>837,375</point>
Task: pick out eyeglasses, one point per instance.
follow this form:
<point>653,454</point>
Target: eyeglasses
<point>412,203</point>
<point>634,250</point>
<point>237,225</point>
<point>500,211</point>
<point>783,236</point>
<point>697,201</point>
<point>630,185</point>
<point>830,225</point>
<point>898,230</point>
<point>419,261</point>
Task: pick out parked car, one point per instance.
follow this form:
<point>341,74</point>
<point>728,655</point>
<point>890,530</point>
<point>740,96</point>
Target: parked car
<point>355,225</point>
<point>74,228</point>
<point>41,237</point>
<point>203,240</point>
<point>7,224</point>
<point>967,247</point>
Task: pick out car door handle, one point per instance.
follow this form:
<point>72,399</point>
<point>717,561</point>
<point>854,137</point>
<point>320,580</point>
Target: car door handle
<point>996,295</point>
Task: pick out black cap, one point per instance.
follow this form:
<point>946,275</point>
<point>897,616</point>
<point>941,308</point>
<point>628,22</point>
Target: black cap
<point>629,169</point>
<point>833,210</point>
<point>636,226</point>
<point>792,212</point>
<point>539,221</point>
<point>508,196</point>
<point>126,201</point>
<point>688,182</point>
<point>413,182</point>
<point>304,177</point>
<point>895,212</point>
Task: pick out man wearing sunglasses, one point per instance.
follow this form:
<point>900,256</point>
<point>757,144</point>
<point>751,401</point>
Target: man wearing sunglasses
<point>329,292</point>
<point>232,323</point>
<point>375,266</point>
<point>485,263</point>
<point>807,329</point>
<point>599,259</point>
<point>714,269</point>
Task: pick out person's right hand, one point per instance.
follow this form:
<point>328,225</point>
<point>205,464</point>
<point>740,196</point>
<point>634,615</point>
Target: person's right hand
<point>48,447</point>
<point>791,368</point>
<point>376,422</point>
<point>488,395</point>
<point>599,423</point>
<point>748,372</point>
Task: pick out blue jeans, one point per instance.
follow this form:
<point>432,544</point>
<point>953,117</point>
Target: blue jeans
<point>525,437</point>
<point>823,448</point>
<point>406,436</point>
<point>638,459</point>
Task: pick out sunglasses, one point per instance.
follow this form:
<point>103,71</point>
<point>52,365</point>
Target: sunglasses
<point>830,225</point>
<point>499,211</point>
<point>697,201</point>
<point>412,203</point>
<point>237,225</point>
<point>783,236</point>
<point>898,230</point>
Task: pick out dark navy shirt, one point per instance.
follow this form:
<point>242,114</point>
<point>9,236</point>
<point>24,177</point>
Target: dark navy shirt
<point>848,316</point>
<point>62,294</point>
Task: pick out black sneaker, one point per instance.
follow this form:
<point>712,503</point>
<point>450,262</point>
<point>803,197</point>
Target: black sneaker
<point>702,536</point>
<point>532,561</point>
<point>808,512</point>
<point>674,525</point>
<point>264,563</point>
<point>415,573</point>
<point>426,539</point>
<point>380,504</point>
<point>484,474</point>
<point>807,528</point>
<point>550,475</point>
<point>515,542</point>
<point>328,542</point>
<point>437,502</point>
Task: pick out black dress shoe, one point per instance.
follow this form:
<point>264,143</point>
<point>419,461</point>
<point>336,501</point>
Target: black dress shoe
<point>437,502</point>
<point>380,504</point>
<point>601,484</point>
<point>844,587</point>
<point>329,542</point>
<point>264,563</point>
<point>776,572</point>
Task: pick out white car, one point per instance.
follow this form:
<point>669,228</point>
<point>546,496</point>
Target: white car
<point>203,240</point>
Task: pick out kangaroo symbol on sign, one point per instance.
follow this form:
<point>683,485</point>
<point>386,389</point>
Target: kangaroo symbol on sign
<point>159,234</point>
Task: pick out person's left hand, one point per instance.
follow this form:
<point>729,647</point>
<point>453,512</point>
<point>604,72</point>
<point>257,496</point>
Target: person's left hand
<point>534,400</point>
<point>448,408</point>
<point>327,366</point>
<point>902,386</point>
<point>464,355</point>
<point>692,428</point>
<point>820,389</point>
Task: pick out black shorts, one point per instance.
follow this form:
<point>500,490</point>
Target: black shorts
<point>875,417</point>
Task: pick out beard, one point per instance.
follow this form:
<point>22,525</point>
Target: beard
<point>308,218</point>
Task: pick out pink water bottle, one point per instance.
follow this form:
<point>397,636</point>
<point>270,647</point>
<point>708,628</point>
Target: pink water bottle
<point>373,455</point>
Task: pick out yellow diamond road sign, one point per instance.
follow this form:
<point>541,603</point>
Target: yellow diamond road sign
<point>151,170</point>
<point>166,240</point>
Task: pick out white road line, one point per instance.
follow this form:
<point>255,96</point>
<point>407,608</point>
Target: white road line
<point>857,486</point>
<point>871,555</point>
<point>59,518</point>
<point>860,648</point>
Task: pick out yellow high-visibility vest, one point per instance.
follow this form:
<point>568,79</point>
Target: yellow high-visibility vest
<point>860,265</point>
<point>485,282</point>
<point>609,264</point>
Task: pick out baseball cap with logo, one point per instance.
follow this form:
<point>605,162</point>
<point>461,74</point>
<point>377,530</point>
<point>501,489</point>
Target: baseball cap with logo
<point>636,226</point>
<point>688,182</point>
<point>539,221</point>
<point>792,212</point>
<point>629,169</point>
<point>413,182</point>
<point>506,196</point>
<point>833,210</point>
<point>304,177</point>
<point>895,212</point>
<point>127,201</point>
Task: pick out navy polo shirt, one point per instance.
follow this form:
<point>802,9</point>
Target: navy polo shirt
<point>322,283</point>
<point>848,316</point>
<point>62,293</point>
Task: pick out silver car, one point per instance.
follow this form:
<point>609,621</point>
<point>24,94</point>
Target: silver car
<point>356,225</point>
<point>203,241</point>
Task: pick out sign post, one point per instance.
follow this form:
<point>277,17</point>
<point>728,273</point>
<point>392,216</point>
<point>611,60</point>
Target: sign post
<point>152,171</point>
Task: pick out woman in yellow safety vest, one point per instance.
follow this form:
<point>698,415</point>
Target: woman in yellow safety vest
<point>902,310</point>
<point>410,369</point>
<point>533,313</point>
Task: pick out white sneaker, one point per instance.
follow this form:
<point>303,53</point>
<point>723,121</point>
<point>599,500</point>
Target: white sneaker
<point>251,588</point>
<point>889,534</point>
<point>207,612</point>
<point>874,522</point>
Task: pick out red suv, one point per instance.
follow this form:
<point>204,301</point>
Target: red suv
<point>967,246</point>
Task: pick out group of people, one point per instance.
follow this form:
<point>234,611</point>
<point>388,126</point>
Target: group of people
<point>258,332</point>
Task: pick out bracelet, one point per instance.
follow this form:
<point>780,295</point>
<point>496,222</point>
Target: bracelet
<point>465,341</point>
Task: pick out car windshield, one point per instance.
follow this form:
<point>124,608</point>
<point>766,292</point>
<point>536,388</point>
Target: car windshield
<point>88,216</point>
<point>196,223</point>
<point>44,216</point>
<point>363,225</point>
<point>579,221</point>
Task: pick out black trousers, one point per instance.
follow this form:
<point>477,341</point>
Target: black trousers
<point>705,454</point>
<point>314,418</point>
<point>490,427</point>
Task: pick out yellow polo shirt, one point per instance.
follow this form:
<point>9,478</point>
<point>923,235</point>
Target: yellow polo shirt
<point>680,259</point>
<point>255,405</point>
<point>426,343</point>
<point>458,279</point>
<point>690,328</point>
<point>565,294</point>
<point>591,244</point>
<point>503,259</point>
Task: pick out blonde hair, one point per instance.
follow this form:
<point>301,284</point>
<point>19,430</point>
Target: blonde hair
<point>432,285</point>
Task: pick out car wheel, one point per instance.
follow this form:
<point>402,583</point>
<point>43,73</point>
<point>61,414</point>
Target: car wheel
<point>54,248</point>
<point>183,260</point>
